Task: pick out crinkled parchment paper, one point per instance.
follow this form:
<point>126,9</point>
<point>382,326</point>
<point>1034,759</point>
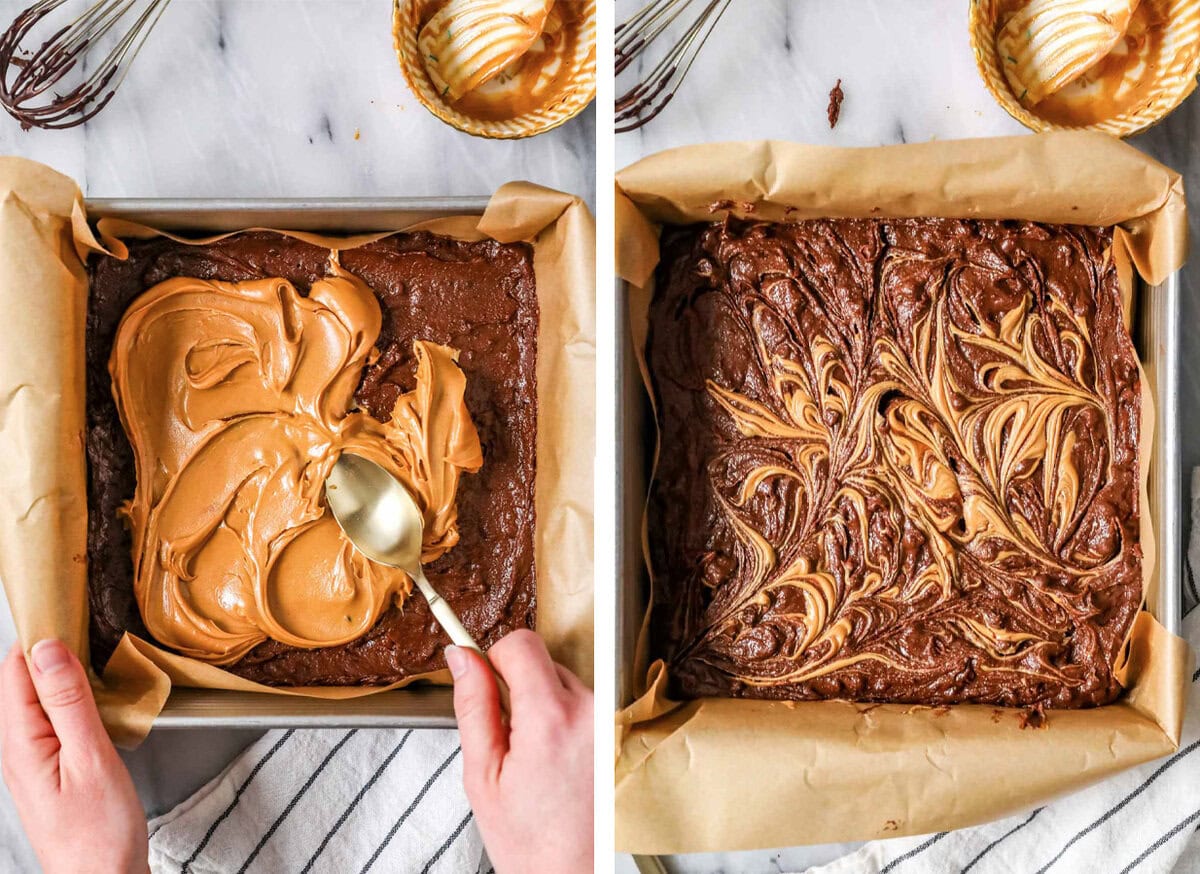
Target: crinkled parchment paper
<point>43,286</point>
<point>724,774</point>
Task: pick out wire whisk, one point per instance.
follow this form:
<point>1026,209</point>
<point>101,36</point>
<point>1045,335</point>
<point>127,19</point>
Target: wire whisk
<point>645,100</point>
<point>34,85</point>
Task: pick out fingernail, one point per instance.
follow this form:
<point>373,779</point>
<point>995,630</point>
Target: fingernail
<point>457,660</point>
<point>49,656</point>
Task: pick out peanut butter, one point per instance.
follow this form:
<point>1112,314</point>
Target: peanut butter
<point>237,398</point>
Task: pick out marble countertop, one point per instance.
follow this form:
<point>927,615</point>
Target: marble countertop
<point>280,98</point>
<point>272,98</point>
<point>908,76</point>
<point>286,98</point>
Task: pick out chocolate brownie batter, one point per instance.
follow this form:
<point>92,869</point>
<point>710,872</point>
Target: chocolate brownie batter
<point>899,462</point>
<point>479,298</point>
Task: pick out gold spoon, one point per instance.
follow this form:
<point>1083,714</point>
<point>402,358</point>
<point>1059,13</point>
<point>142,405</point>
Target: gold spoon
<point>379,516</point>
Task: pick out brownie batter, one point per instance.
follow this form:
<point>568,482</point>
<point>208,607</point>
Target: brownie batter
<point>479,298</point>
<point>899,462</point>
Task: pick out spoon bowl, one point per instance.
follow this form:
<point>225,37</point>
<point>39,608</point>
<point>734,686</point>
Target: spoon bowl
<point>376,512</point>
<point>379,515</point>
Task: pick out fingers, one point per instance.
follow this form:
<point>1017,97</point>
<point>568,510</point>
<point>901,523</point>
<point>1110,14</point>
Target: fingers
<point>525,664</point>
<point>66,697</point>
<point>22,715</point>
<point>477,705</point>
<point>27,741</point>
<point>570,682</point>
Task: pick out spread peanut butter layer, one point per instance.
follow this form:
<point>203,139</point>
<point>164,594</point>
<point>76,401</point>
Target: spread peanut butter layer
<point>237,398</point>
<point>898,462</point>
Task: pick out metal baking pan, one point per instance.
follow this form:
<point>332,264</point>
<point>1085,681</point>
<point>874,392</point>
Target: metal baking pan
<point>1156,336</point>
<point>418,706</point>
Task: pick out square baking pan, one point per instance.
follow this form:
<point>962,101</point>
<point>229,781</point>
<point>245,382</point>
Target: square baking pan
<point>420,705</point>
<point>1156,338</point>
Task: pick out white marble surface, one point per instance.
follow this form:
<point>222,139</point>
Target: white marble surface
<point>908,76</point>
<point>270,98</point>
<point>264,98</point>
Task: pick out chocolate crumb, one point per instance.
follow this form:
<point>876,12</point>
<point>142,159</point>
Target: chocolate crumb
<point>835,104</point>
<point>1034,717</point>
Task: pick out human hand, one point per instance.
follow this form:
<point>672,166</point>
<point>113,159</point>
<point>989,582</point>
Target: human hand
<point>530,782</point>
<point>70,787</point>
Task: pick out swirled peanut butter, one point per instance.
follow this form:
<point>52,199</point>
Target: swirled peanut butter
<point>237,398</point>
<point>898,462</point>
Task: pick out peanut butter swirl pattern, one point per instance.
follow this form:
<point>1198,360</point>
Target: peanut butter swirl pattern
<point>899,462</point>
<point>236,398</point>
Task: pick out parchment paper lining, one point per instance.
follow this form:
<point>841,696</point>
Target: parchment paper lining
<point>723,774</point>
<point>43,466</point>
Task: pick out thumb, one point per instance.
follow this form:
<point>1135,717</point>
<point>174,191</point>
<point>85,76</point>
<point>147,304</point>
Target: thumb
<point>66,696</point>
<point>477,706</point>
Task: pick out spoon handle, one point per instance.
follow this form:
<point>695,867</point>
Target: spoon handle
<point>459,635</point>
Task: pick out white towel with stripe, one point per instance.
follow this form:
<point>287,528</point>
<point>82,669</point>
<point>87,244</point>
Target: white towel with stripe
<point>344,801</point>
<point>1144,820</point>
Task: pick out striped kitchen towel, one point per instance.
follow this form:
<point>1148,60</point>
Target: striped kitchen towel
<point>1144,820</point>
<point>341,801</point>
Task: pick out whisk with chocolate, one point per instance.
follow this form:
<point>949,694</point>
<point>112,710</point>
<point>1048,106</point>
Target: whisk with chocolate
<point>52,86</point>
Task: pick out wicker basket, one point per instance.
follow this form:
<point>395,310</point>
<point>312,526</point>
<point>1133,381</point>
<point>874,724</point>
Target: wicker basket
<point>408,17</point>
<point>1175,79</point>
